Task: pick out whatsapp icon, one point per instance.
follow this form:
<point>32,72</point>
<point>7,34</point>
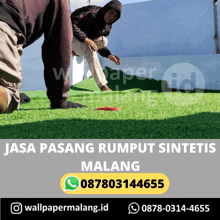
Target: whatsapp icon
<point>71,183</point>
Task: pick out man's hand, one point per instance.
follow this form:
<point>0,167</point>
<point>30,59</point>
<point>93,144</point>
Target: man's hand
<point>115,59</point>
<point>91,44</point>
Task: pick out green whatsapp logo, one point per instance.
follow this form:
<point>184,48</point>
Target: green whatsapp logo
<point>71,183</point>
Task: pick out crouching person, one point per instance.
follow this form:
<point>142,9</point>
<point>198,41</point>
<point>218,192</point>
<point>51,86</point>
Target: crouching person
<point>91,25</point>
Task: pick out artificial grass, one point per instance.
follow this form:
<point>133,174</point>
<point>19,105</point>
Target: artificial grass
<point>147,114</point>
<point>119,81</point>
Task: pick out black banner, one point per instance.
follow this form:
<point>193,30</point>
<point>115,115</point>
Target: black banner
<point>26,208</point>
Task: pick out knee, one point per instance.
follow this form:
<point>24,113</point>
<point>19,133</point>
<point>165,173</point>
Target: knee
<point>89,55</point>
<point>101,42</point>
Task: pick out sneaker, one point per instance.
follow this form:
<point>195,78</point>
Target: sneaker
<point>66,104</point>
<point>24,98</point>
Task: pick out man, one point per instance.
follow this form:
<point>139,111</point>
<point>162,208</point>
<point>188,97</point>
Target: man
<point>21,23</point>
<point>91,25</point>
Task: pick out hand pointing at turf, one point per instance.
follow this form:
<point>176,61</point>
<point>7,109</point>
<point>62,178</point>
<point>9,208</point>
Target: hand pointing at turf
<point>115,59</point>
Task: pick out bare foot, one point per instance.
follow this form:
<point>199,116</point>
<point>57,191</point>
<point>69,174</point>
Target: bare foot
<point>105,89</point>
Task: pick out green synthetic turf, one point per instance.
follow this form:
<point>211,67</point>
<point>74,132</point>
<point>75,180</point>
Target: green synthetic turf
<point>146,114</point>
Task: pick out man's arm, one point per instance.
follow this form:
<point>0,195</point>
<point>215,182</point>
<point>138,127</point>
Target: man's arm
<point>105,52</point>
<point>78,33</point>
<point>76,16</point>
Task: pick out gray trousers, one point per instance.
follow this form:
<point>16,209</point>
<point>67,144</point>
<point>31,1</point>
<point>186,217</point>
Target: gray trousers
<point>11,49</point>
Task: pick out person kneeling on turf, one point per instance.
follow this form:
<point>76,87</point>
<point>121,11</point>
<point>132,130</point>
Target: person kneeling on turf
<point>91,25</point>
<point>23,22</point>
